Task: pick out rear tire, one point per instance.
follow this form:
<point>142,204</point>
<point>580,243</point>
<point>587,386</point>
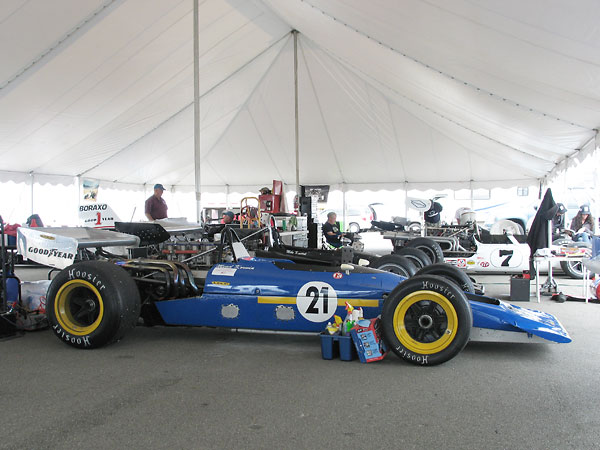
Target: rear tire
<point>451,273</point>
<point>397,264</point>
<point>426,320</point>
<point>572,268</point>
<point>417,256</point>
<point>92,303</point>
<point>429,246</point>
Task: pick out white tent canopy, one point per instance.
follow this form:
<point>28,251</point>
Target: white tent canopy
<point>391,93</point>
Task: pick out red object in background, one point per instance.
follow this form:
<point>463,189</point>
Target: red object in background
<point>269,203</point>
<point>10,229</point>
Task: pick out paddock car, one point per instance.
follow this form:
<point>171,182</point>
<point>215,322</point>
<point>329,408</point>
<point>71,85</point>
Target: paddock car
<point>426,319</point>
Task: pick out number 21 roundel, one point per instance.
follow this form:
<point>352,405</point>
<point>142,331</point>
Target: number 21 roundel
<point>316,301</point>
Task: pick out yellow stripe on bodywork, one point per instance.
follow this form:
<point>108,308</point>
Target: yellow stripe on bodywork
<point>356,302</point>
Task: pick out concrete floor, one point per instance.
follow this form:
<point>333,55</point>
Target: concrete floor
<point>202,388</point>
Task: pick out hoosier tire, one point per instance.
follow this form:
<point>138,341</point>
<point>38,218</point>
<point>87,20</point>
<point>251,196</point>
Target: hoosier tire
<point>92,303</point>
<point>417,256</point>
<point>430,247</point>
<point>451,273</point>
<point>397,264</point>
<point>426,320</point>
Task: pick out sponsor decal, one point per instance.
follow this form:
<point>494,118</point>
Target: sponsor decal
<point>433,286</point>
<point>224,271</point>
<point>50,252</point>
<point>411,356</point>
<point>221,283</point>
<point>83,275</point>
<point>99,207</point>
<point>484,264</point>
<point>338,275</point>
<point>471,263</point>
<point>85,340</point>
<point>461,263</point>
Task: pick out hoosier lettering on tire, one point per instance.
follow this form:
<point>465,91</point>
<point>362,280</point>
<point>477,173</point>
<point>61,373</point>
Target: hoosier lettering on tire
<point>92,303</point>
<point>426,320</point>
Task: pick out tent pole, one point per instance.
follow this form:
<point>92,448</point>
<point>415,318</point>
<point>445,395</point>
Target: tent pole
<point>295,34</point>
<point>197,181</point>
<point>471,189</point>
<point>344,207</point>
<point>406,200</point>
<point>31,190</point>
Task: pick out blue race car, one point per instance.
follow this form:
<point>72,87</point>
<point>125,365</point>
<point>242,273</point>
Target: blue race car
<point>426,319</point>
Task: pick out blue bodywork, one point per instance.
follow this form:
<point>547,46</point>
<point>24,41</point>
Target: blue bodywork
<point>268,294</point>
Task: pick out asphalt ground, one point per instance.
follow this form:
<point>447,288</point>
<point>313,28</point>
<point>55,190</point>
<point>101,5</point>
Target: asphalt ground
<point>201,388</point>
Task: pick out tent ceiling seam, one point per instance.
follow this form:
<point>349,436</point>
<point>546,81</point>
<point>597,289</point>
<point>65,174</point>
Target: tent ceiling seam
<point>186,106</point>
<point>243,106</point>
<point>427,108</point>
<point>75,100</point>
<point>576,151</point>
<point>314,89</point>
<point>447,75</point>
<point>387,102</point>
<point>58,43</point>
<point>512,36</point>
<point>376,123</point>
<point>265,144</point>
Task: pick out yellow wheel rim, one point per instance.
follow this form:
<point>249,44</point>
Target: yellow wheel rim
<point>78,307</point>
<point>425,322</point>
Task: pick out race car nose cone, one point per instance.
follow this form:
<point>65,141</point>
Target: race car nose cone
<point>425,321</point>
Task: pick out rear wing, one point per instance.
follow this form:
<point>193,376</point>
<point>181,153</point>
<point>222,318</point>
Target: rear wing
<point>58,246</point>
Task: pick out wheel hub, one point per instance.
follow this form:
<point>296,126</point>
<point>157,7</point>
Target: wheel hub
<point>425,321</point>
<point>90,304</point>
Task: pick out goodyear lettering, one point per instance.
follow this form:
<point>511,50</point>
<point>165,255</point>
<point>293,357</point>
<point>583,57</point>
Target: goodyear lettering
<point>437,288</point>
<point>50,252</point>
<point>423,359</point>
<point>83,275</point>
<point>100,207</point>
<point>85,340</point>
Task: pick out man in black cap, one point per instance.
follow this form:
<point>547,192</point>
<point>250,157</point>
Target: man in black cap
<point>583,225</point>
<point>156,207</point>
<point>228,217</point>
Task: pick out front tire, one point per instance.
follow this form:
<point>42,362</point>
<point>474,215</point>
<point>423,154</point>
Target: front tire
<point>417,256</point>
<point>92,303</point>
<point>430,247</point>
<point>397,264</point>
<point>426,320</point>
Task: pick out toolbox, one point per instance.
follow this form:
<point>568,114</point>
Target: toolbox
<point>519,288</point>
<point>335,345</point>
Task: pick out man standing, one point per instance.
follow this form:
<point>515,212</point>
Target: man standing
<point>156,207</point>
